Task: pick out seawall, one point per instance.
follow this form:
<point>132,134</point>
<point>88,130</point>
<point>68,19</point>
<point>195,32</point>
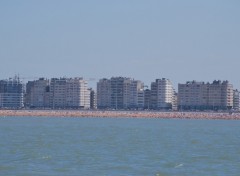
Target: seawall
<point>130,114</point>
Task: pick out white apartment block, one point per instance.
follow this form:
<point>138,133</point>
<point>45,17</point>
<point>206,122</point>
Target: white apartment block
<point>77,93</point>
<point>69,93</point>
<point>204,96</point>
<point>162,94</point>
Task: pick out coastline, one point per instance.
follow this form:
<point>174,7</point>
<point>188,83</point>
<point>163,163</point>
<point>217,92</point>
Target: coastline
<point>119,114</point>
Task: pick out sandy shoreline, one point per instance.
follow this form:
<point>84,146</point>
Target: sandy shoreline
<point>130,114</point>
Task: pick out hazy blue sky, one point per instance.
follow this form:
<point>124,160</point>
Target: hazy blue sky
<point>145,39</point>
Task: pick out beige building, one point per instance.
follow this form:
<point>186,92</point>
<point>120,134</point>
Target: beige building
<point>205,96</point>
<point>69,93</point>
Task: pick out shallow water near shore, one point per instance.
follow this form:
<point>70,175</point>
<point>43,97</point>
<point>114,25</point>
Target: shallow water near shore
<point>118,146</point>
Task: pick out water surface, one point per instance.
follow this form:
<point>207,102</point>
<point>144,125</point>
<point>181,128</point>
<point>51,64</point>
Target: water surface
<point>118,146</point>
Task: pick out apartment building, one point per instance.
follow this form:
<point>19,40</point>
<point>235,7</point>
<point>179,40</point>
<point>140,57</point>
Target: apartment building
<point>175,102</point>
<point>103,94</point>
<point>205,96</point>
<point>11,93</point>
<point>37,93</point>
<point>236,100</point>
<point>93,99</point>
<point>133,94</point>
<point>120,93</point>
<point>162,94</point>
<point>117,92</point>
<point>69,93</point>
<point>58,88</point>
<point>192,95</point>
<point>147,99</point>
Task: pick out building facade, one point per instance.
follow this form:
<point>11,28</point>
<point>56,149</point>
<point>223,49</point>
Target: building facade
<point>36,93</point>
<point>147,99</point>
<point>162,94</point>
<point>103,94</point>
<point>93,99</point>
<point>11,93</point>
<point>117,92</point>
<point>236,100</point>
<point>69,93</point>
<point>133,94</point>
<point>120,93</point>
<point>205,96</point>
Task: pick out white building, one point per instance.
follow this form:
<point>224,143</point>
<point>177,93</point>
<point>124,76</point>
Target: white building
<point>69,93</point>
<point>162,94</point>
<point>77,93</point>
<point>205,96</point>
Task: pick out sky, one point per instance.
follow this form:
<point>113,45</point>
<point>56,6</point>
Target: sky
<point>142,39</point>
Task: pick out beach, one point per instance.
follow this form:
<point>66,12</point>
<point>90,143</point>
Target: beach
<point>118,114</point>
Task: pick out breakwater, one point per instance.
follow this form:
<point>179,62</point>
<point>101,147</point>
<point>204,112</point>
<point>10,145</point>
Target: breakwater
<point>130,114</point>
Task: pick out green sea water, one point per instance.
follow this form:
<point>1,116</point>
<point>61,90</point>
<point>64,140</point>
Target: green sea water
<point>118,146</point>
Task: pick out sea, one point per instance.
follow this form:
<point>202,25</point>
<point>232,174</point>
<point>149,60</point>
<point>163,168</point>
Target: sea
<point>55,146</point>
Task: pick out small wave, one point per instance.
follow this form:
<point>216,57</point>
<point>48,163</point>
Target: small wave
<point>179,165</point>
<point>46,157</point>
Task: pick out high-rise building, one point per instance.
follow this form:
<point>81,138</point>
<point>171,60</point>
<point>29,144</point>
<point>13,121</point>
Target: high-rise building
<point>236,100</point>
<point>140,98</point>
<point>120,93</point>
<point>36,93</point>
<point>69,93</point>
<point>147,99</point>
<point>162,93</point>
<point>192,95</point>
<point>116,92</point>
<point>175,102</point>
<point>103,94</point>
<point>198,95</point>
<point>133,94</point>
<point>11,93</point>
<point>93,99</point>
<point>58,93</point>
